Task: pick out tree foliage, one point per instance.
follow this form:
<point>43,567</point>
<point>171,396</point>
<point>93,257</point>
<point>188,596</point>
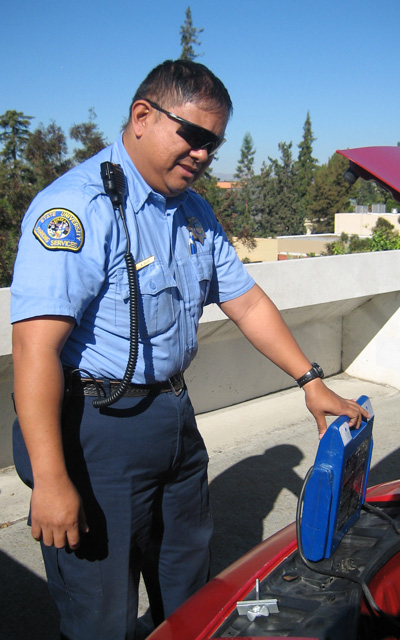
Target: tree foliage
<point>29,161</point>
<point>243,195</point>
<point>287,193</point>
<point>14,136</point>
<point>384,238</point>
<point>328,194</point>
<point>245,166</point>
<point>90,137</point>
<point>288,218</point>
<point>305,166</point>
<point>46,153</point>
<point>189,37</point>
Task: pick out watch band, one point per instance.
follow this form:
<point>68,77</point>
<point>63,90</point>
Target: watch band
<point>314,372</point>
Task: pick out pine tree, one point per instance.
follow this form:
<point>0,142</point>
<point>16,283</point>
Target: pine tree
<point>15,135</point>
<point>265,207</point>
<point>305,166</point>
<point>288,218</point>
<point>245,165</point>
<point>244,174</point>
<point>189,38</point>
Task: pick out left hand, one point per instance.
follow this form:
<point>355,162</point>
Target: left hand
<point>322,402</point>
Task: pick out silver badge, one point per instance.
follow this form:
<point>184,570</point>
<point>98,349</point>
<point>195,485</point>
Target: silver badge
<point>196,229</point>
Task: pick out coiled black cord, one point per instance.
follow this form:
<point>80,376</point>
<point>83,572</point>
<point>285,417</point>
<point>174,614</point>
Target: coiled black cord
<point>99,403</point>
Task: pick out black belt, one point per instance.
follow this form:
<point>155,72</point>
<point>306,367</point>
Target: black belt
<point>77,386</point>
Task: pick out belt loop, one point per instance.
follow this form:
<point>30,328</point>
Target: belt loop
<point>107,387</point>
<point>180,382</point>
<point>67,385</point>
<point>176,392</point>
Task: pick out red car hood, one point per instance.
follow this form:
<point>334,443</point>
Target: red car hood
<point>381,164</point>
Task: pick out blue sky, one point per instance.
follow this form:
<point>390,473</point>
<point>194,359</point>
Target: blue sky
<point>337,59</point>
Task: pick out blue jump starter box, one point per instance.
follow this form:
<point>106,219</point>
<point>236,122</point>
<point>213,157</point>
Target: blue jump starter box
<point>336,488</point>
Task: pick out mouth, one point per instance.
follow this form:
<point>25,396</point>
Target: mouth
<point>188,170</point>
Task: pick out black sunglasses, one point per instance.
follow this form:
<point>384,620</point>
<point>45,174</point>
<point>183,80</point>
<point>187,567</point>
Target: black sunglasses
<point>197,137</point>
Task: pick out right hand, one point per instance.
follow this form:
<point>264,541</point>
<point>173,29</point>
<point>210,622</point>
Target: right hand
<point>57,514</point>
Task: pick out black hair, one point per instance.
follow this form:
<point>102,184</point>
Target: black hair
<point>178,81</point>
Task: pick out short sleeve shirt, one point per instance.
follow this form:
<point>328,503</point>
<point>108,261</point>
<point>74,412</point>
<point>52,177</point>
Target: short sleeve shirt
<point>71,262</point>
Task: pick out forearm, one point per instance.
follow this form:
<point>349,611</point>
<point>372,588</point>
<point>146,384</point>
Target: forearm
<point>38,391</point>
<point>260,321</point>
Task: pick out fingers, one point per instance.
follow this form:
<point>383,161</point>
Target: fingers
<point>60,538</point>
<point>355,414</point>
<point>322,402</point>
<point>73,538</point>
<point>58,519</point>
<point>36,532</point>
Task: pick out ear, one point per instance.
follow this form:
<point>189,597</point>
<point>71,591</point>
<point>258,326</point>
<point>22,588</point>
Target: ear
<point>141,112</point>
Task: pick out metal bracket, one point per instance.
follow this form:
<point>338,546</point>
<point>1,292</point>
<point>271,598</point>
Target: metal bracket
<point>256,608</point>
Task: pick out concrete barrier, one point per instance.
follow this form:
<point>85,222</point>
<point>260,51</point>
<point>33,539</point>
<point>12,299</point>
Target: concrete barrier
<point>343,311</point>
<point>6,380</point>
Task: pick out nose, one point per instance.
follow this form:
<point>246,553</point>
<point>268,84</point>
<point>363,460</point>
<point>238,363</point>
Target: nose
<point>200,155</point>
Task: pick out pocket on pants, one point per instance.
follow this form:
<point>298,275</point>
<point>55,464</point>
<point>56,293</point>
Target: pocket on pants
<point>66,571</point>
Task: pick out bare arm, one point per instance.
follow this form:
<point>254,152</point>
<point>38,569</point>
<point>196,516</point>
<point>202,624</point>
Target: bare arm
<point>262,324</point>
<point>56,509</point>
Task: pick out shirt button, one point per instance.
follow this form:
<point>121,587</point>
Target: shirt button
<point>153,285</point>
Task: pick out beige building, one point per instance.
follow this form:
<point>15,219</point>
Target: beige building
<point>284,247</point>
<point>303,246</point>
<point>361,224</point>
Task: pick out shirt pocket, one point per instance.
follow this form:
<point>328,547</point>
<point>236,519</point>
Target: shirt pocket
<point>156,297</point>
<point>202,268</point>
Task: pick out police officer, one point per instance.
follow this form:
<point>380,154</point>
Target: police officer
<point>102,479</point>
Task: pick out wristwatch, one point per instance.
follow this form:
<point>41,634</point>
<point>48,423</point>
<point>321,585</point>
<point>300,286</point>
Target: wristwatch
<point>315,372</point>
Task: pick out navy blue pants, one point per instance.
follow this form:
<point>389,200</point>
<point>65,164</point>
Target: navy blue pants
<point>141,469</point>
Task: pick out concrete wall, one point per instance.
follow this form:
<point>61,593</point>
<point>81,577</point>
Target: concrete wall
<point>343,310</point>
<point>6,376</point>
<point>336,306</point>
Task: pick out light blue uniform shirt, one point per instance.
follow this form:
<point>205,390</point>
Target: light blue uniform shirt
<point>180,275</point>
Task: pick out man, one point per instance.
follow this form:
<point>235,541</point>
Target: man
<point>103,479</point>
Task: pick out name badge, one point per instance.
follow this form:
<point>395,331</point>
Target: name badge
<point>144,263</point>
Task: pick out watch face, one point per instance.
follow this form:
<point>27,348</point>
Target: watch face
<point>318,369</point>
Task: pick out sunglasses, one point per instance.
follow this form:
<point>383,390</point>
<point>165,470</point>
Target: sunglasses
<point>197,137</point>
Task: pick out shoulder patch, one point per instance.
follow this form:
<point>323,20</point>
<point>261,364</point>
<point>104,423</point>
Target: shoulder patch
<point>59,229</point>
